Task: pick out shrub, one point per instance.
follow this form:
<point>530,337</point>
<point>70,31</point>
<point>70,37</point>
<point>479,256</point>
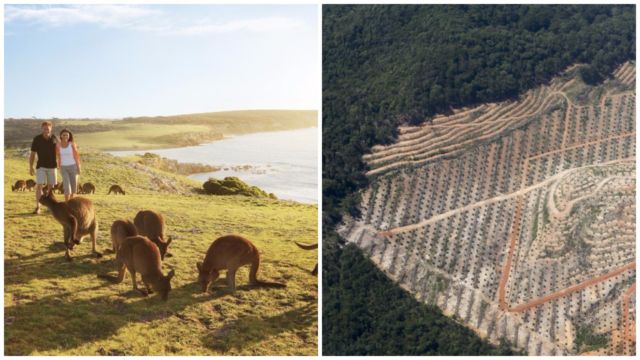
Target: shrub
<point>232,185</point>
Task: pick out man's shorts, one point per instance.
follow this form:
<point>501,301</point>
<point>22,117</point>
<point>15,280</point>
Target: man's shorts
<point>45,176</point>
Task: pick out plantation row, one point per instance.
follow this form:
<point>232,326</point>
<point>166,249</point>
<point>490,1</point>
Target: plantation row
<point>427,261</point>
<point>445,137</point>
<point>518,218</point>
<point>626,74</point>
<point>542,142</point>
<point>449,137</point>
<point>455,183</point>
<point>439,279</point>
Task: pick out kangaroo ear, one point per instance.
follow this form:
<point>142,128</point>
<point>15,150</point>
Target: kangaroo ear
<point>199,266</point>
<point>169,240</point>
<point>170,274</point>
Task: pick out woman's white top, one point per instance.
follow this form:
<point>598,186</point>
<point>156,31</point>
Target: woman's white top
<point>66,155</point>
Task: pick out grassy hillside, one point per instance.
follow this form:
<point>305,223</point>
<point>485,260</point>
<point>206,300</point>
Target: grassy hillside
<point>53,307</point>
<point>162,131</point>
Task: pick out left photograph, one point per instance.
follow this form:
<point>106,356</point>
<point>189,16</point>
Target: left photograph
<point>161,179</point>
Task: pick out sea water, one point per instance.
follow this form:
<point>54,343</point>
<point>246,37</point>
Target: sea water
<point>281,162</point>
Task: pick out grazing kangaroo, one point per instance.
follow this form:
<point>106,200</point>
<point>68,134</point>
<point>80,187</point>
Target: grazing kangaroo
<point>59,186</point>
<point>116,189</point>
<point>151,224</point>
<point>30,184</point>
<point>88,188</point>
<point>229,253</point>
<point>309,247</point>
<point>121,229</point>
<point>20,185</point>
<point>78,219</point>
<point>139,255</point>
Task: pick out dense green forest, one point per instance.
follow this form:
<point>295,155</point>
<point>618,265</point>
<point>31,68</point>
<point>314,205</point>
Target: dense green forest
<point>385,65</point>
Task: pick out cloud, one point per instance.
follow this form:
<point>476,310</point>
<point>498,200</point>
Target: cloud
<point>139,18</point>
<point>104,15</point>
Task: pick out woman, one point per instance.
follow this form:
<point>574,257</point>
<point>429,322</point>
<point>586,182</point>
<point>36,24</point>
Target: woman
<point>68,163</point>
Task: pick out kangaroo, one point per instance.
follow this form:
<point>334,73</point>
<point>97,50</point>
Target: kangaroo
<point>89,188</point>
<point>309,247</point>
<point>121,229</point>
<point>116,189</point>
<point>59,186</point>
<point>229,253</point>
<point>20,185</point>
<point>151,224</point>
<point>139,254</point>
<point>30,184</point>
<point>78,219</point>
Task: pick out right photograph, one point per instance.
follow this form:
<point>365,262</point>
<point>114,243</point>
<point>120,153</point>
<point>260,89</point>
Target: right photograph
<point>479,180</point>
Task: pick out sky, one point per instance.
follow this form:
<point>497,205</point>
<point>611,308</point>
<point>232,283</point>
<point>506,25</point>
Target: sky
<point>114,61</point>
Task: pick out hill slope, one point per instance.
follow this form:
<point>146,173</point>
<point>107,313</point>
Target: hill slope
<point>53,307</point>
<point>162,131</point>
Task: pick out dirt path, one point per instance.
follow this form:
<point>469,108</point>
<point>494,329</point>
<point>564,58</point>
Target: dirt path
<point>572,289</point>
<point>506,269</point>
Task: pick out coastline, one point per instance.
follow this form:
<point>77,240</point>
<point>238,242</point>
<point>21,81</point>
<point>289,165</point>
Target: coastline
<point>288,167</point>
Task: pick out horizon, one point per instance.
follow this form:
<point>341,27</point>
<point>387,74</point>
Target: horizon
<point>120,61</point>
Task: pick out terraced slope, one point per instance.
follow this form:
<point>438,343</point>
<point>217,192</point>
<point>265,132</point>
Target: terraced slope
<point>518,218</point>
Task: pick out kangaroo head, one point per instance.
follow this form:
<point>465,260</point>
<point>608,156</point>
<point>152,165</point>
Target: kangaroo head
<point>162,246</point>
<point>205,277</point>
<point>163,286</point>
<point>47,197</point>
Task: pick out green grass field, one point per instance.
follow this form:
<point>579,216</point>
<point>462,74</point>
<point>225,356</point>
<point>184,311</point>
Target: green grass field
<point>138,136</point>
<point>55,307</point>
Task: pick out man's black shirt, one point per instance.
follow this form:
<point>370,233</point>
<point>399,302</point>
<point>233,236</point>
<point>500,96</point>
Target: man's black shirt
<point>46,150</point>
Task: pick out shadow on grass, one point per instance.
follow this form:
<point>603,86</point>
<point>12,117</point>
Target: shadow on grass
<point>284,265</point>
<point>42,265</point>
<point>57,323</point>
<point>52,323</point>
<point>22,215</point>
<point>252,329</point>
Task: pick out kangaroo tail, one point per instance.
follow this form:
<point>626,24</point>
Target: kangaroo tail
<point>307,246</point>
<point>253,274</point>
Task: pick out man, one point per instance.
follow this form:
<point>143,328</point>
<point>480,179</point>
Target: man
<point>44,145</point>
